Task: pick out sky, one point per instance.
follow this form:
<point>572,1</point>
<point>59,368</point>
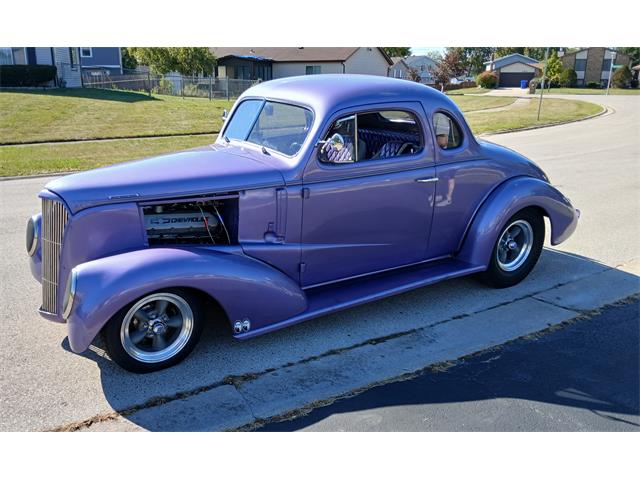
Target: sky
<point>424,50</point>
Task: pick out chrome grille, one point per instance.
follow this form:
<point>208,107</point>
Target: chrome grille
<point>54,221</point>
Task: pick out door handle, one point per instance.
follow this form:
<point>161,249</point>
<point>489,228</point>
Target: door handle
<point>427,180</point>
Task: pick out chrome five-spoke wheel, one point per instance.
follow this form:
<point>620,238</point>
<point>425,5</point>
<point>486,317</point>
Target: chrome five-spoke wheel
<point>156,327</point>
<point>156,331</point>
<point>516,250</point>
<point>514,246</point>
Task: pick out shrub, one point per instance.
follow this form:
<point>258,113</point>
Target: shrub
<point>26,75</point>
<point>593,85</point>
<point>487,80</point>
<point>568,78</point>
<point>621,77</point>
<point>165,86</point>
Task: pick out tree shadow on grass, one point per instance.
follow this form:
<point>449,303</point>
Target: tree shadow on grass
<point>93,94</point>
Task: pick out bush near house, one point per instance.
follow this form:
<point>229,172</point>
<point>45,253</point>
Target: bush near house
<point>621,77</point>
<point>593,85</point>
<point>487,80</point>
<point>26,75</point>
<point>568,78</point>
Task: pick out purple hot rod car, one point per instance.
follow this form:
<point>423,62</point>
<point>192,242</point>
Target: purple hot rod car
<point>321,193</point>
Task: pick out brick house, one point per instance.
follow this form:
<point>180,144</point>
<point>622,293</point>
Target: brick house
<point>592,64</point>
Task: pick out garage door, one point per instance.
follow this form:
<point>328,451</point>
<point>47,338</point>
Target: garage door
<point>513,79</point>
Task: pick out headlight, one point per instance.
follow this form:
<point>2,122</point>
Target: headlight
<point>33,234</point>
<point>69,294</point>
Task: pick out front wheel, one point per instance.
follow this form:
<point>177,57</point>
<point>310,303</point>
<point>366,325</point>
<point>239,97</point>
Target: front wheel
<point>516,251</point>
<point>157,331</point>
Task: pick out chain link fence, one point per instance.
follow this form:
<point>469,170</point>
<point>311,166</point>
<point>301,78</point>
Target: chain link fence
<point>169,84</point>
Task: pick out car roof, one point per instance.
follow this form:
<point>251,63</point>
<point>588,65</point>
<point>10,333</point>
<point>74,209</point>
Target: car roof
<point>326,93</point>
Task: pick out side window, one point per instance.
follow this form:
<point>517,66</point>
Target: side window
<point>372,136</point>
<point>448,133</point>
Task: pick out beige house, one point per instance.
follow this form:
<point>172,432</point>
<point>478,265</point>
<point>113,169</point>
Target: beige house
<point>266,63</point>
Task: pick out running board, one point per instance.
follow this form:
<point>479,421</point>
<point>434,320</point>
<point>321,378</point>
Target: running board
<point>342,295</point>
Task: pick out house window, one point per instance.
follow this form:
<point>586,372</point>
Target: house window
<point>606,64</point>
<point>581,64</point>
<point>6,58</point>
<point>19,56</point>
<point>448,134</point>
<point>86,52</point>
<point>73,56</point>
<point>313,70</point>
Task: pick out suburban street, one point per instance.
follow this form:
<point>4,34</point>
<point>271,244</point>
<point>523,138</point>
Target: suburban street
<point>227,384</point>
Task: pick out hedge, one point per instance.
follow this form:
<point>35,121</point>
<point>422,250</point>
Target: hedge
<point>487,80</point>
<point>26,75</point>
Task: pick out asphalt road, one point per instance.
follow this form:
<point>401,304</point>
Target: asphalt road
<point>45,386</point>
<point>584,376</point>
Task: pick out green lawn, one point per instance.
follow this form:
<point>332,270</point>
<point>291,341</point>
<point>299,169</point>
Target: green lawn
<point>553,111</point>
<point>593,91</point>
<point>71,114</point>
<point>470,103</point>
<point>65,157</point>
<point>87,113</point>
<point>467,91</point>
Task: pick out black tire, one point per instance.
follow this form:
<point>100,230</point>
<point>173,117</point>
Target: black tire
<point>496,276</point>
<point>144,355</point>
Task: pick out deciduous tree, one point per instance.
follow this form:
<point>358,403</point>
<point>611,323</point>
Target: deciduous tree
<point>397,51</point>
<point>450,66</point>
<point>185,60</point>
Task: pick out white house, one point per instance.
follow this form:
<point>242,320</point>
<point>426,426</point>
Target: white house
<point>266,63</point>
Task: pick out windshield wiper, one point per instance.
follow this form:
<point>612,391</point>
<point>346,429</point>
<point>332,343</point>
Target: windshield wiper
<point>265,151</point>
<point>226,139</point>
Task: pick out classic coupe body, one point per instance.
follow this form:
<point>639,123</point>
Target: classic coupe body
<point>320,193</point>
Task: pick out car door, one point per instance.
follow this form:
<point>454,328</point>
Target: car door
<point>366,209</point>
<point>465,178</point>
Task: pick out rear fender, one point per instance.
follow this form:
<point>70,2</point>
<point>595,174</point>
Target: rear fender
<point>507,199</point>
<point>245,288</point>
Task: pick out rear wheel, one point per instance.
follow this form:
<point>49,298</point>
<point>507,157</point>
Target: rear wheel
<point>517,249</point>
<point>157,331</point>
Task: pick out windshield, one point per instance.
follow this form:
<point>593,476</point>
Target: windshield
<point>277,126</point>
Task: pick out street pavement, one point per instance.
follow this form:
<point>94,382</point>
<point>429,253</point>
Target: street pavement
<point>227,384</point>
<point>584,376</point>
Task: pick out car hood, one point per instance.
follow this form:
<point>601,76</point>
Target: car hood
<point>209,169</point>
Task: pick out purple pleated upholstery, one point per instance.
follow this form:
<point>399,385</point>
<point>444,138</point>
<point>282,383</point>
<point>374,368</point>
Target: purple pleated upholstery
<point>386,143</point>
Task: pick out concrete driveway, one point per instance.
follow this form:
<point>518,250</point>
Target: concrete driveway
<point>227,384</point>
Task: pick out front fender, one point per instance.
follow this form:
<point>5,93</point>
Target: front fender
<point>510,197</point>
<point>244,287</point>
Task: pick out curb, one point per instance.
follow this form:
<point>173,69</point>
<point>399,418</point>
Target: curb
<point>605,111</point>
<point>39,175</point>
<point>105,139</point>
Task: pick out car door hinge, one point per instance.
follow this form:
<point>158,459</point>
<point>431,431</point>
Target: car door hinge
<point>303,267</point>
<point>305,193</point>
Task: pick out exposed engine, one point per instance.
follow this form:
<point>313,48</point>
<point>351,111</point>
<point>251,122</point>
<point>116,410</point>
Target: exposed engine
<point>191,222</point>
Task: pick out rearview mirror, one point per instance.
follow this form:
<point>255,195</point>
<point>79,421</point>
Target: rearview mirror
<point>224,114</point>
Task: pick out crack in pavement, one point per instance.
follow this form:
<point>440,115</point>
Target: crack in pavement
<point>238,380</point>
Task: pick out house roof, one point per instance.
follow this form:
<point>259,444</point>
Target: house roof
<point>397,60</point>
<point>419,59</point>
<point>292,54</point>
<point>498,63</point>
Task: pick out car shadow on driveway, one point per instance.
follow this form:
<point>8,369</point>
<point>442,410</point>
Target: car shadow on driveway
<point>221,361</point>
